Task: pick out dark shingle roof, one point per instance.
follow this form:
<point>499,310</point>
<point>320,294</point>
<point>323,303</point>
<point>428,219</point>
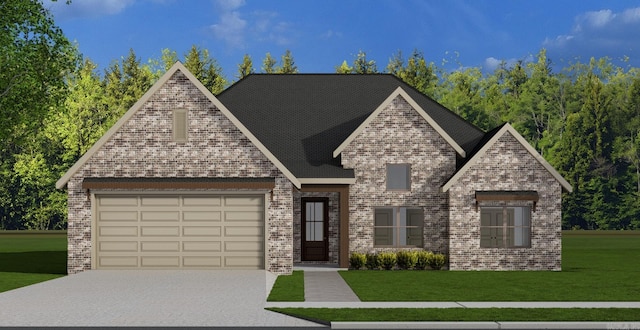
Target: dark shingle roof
<point>303,118</point>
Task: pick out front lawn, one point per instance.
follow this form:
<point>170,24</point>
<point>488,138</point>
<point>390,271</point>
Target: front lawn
<point>596,266</point>
<point>30,257</point>
<point>462,314</point>
<point>288,287</point>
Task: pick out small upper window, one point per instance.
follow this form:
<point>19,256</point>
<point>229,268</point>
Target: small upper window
<point>398,177</point>
<point>180,125</point>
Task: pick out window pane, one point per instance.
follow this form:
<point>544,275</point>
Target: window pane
<point>319,212</point>
<point>398,177</point>
<point>309,229</point>
<point>318,231</point>
<point>309,211</point>
<point>384,217</point>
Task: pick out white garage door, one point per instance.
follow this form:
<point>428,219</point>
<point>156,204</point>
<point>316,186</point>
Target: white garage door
<point>180,231</point>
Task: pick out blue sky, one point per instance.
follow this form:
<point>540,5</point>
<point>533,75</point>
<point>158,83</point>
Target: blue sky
<point>322,34</point>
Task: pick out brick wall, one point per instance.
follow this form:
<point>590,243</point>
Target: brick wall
<point>507,165</point>
<point>143,147</point>
<point>399,135</point>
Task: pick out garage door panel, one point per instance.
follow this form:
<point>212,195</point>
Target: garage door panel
<point>150,231</point>
<point>118,216</point>
<point>203,261</point>
<point>118,200</point>
<point>180,231</point>
<point>118,246</point>
<point>162,201</point>
<point>199,231</point>
<point>243,246</point>
<point>160,215</point>
<point>243,231</point>
<point>118,261</point>
<point>202,201</point>
<point>160,261</point>
<point>240,200</point>
<point>238,216</point>
<point>117,231</point>
<point>243,261</point>
<point>201,246</point>
<point>202,216</point>
<point>171,246</point>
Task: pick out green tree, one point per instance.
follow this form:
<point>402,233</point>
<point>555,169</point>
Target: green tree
<point>288,64</point>
<point>246,67</point>
<point>361,65</point>
<point>206,69</point>
<point>269,64</point>
<point>126,81</point>
<point>344,68</point>
<point>35,56</point>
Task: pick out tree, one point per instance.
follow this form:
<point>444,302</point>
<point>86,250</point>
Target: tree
<point>269,64</point>
<point>35,56</point>
<point>361,65</point>
<point>206,69</point>
<point>126,81</point>
<point>344,68</point>
<point>246,67</point>
<point>288,64</point>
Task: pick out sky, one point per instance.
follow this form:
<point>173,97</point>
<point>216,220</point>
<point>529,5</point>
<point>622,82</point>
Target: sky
<point>321,34</point>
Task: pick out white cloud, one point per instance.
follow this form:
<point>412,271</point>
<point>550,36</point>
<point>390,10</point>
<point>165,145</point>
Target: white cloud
<point>598,34</point>
<point>88,8</point>
<point>230,29</point>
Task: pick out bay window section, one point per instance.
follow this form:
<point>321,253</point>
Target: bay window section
<point>398,227</point>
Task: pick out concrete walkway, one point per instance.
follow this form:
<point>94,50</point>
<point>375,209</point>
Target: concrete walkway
<point>327,286</point>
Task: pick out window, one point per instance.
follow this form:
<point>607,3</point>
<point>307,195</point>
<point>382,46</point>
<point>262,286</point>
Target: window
<point>505,227</point>
<point>398,177</point>
<point>398,226</point>
<point>180,125</point>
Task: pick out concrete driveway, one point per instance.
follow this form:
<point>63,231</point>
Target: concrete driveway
<point>146,298</point>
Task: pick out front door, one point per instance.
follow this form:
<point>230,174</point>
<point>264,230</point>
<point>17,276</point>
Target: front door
<point>315,225</point>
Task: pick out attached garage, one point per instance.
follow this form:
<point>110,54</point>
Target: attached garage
<point>160,231</point>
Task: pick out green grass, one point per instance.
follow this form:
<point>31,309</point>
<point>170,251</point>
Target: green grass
<point>596,266</point>
<point>462,314</point>
<point>30,257</point>
<point>288,287</point>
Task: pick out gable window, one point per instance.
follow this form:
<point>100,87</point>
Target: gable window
<point>398,227</point>
<point>505,227</point>
<point>398,177</point>
<point>180,125</point>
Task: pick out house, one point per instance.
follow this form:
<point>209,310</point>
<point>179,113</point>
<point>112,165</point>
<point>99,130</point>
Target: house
<point>306,168</point>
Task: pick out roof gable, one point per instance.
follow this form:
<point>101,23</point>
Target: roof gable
<point>140,103</point>
<point>303,118</point>
<point>398,92</point>
<point>494,136</point>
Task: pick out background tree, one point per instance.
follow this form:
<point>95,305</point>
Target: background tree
<point>361,65</point>
<point>206,69</point>
<point>288,64</point>
<point>269,64</point>
<point>246,67</point>
<point>344,68</point>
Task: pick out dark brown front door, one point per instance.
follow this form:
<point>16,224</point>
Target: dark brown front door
<point>315,225</point>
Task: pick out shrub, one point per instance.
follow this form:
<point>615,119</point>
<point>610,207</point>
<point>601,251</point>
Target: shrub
<point>406,259</point>
<point>357,260</point>
<point>372,262</point>
<point>387,260</point>
<point>437,261</point>
<point>422,259</point>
